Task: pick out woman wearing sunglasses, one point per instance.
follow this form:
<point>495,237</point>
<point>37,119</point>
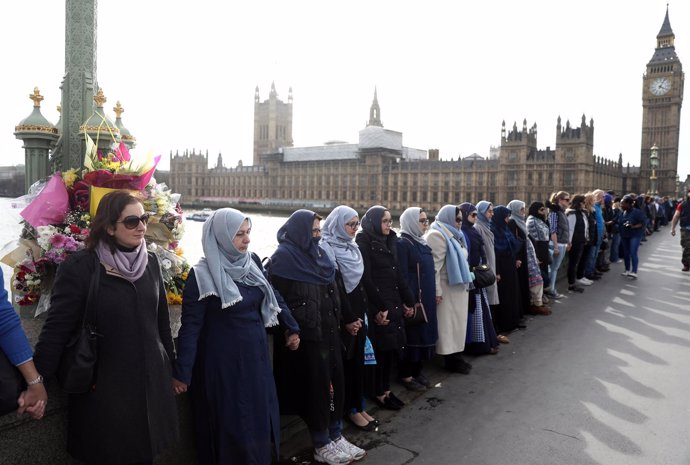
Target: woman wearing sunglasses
<point>129,415</point>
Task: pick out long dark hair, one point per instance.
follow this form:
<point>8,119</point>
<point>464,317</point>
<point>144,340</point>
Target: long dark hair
<point>577,202</point>
<point>109,210</point>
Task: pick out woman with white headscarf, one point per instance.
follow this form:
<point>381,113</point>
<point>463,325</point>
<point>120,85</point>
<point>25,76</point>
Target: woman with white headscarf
<point>452,278</point>
<point>417,265</point>
<point>337,240</point>
<point>223,350</point>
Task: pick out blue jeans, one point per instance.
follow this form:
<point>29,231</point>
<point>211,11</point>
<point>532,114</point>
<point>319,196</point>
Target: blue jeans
<point>591,258</point>
<point>630,246</point>
<point>615,247</point>
<point>555,264</point>
<point>333,433</point>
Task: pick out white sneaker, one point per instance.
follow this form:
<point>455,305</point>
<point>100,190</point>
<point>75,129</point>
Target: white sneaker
<point>625,273</point>
<point>584,282</point>
<point>632,275</point>
<point>332,455</point>
<point>357,453</point>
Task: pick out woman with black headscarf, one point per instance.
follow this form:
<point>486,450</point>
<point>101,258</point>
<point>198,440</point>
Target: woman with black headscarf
<point>388,296</point>
<point>509,313</point>
<point>481,335</point>
<point>310,380</point>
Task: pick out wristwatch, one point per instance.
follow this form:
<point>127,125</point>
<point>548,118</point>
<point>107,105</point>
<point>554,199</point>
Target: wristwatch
<point>38,380</point>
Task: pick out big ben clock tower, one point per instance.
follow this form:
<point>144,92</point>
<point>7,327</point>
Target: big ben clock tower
<point>662,98</point>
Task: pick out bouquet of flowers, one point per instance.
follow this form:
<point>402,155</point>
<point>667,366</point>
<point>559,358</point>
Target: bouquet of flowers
<point>58,217</point>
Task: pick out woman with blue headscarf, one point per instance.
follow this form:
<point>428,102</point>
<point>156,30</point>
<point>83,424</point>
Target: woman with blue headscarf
<point>310,380</point>
<point>222,351</point>
<point>509,313</point>
<point>388,297</point>
<point>417,264</point>
<point>337,240</point>
<point>452,276</point>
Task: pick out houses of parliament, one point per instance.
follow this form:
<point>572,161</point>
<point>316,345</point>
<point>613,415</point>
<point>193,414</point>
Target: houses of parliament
<point>380,170</point>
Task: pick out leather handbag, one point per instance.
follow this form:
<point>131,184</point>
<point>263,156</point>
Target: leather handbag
<point>483,276</point>
<point>11,385</point>
<point>77,368</point>
<point>419,316</point>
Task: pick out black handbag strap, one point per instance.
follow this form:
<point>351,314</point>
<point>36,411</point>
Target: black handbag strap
<point>90,311</point>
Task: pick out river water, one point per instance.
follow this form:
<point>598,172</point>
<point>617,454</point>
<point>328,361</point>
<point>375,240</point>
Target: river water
<point>263,235</point>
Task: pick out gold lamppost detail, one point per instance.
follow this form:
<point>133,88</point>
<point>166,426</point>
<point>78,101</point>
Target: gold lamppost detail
<point>653,164</point>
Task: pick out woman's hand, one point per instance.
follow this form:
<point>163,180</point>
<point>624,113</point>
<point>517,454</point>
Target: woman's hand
<point>179,387</point>
<point>354,327</point>
<point>439,299</point>
<point>408,312</point>
<point>292,341</point>
<point>381,318</point>
<point>33,401</point>
<point>518,263</point>
<point>498,277</point>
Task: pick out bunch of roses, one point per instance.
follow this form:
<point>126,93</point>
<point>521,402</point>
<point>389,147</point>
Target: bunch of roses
<point>28,281</point>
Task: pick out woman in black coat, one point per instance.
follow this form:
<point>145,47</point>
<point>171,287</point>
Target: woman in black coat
<point>310,379</point>
<point>389,298</point>
<point>129,415</point>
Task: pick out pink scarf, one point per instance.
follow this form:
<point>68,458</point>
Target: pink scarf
<point>130,265</point>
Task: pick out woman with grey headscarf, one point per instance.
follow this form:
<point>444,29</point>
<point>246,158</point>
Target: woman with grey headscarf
<point>528,271</point>
<point>417,265</point>
<point>337,240</point>
<point>222,346</point>
<point>485,210</point>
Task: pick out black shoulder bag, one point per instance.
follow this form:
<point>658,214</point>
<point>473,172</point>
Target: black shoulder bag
<point>77,368</point>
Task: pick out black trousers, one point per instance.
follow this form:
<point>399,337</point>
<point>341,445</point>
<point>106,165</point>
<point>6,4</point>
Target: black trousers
<point>574,259</point>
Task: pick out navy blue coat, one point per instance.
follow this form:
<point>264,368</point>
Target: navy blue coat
<point>223,355</point>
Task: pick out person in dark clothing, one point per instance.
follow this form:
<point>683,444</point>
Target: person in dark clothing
<point>682,216</point>
<point>417,265</point>
<point>388,296</point>
<point>223,347</point>
<point>510,311</point>
<point>337,240</point>
<point>631,225</point>
<point>578,237</point>
<point>129,415</point>
<point>310,380</point>
<point>481,335</point>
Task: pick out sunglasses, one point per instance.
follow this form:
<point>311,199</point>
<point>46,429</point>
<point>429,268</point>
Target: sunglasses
<point>131,222</point>
<point>424,220</point>
<point>387,221</point>
<point>353,224</point>
<point>473,214</point>
<point>458,219</point>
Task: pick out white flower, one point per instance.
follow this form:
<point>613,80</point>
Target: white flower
<point>166,264</point>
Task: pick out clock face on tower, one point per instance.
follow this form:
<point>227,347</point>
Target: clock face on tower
<point>660,86</point>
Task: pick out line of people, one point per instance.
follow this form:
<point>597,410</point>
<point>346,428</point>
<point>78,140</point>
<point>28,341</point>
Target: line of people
<point>351,305</point>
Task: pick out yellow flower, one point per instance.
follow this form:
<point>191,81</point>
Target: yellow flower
<point>69,177</point>
<point>174,299</point>
<point>179,252</point>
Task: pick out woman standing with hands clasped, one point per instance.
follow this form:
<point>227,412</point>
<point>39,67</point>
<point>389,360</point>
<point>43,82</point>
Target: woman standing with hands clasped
<point>310,380</point>
<point>388,296</point>
<point>452,275</point>
<point>337,240</point>
<point>223,349</point>
<point>129,415</point>
<point>631,225</point>
<point>417,264</point>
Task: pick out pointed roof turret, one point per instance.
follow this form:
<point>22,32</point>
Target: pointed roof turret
<point>665,30</point>
<point>665,48</point>
<point>273,93</point>
<point>127,137</point>
<point>375,112</point>
<point>35,123</point>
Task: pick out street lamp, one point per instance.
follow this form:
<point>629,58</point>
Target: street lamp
<point>653,164</point>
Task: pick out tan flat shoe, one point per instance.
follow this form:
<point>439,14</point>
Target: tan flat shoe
<point>503,339</point>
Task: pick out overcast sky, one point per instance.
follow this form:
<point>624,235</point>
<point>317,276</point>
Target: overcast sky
<point>447,73</point>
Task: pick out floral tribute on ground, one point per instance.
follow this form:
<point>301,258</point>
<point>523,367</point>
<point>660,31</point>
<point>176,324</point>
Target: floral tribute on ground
<point>58,215</point>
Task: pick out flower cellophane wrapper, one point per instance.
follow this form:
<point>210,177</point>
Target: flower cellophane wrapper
<point>50,206</point>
